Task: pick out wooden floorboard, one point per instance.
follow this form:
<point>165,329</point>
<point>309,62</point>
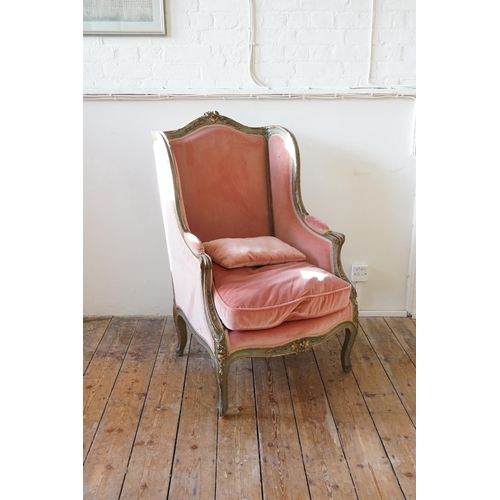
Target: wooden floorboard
<point>101,374</point>
<point>282,467</point>
<point>371,469</point>
<point>327,472</point>
<point>150,465</point>
<point>394,426</point>
<point>93,331</point>
<point>106,464</point>
<point>238,465</point>
<point>194,470</point>
<point>404,329</point>
<point>395,361</point>
<point>297,427</point>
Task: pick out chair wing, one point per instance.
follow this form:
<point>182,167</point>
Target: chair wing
<point>219,182</point>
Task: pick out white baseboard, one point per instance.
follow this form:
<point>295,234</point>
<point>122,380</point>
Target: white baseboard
<point>388,314</point>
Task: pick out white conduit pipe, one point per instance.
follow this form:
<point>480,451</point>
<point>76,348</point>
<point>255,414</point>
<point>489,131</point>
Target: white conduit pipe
<point>413,149</point>
<point>251,45</point>
<point>349,94</point>
<point>372,15</point>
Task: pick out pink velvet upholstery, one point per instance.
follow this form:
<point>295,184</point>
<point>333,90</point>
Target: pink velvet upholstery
<point>194,243</point>
<point>286,332</point>
<point>224,183</point>
<point>182,252</point>
<point>221,180</point>
<point>317,224</point>
<point>255,298</point>
<point>250,252</point>
<point>287,225</point>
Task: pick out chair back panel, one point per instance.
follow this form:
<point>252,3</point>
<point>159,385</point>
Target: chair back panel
<point>223,177</point>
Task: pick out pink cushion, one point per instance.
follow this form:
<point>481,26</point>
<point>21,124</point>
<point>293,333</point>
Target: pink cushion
<point>286,332</point>
<point>255,298</point>
<point>249,252</point>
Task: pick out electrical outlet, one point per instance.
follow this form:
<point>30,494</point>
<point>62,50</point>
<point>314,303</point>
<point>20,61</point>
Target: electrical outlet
<point>359,272</point>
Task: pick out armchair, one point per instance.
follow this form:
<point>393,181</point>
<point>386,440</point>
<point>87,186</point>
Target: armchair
<point>254,275</point>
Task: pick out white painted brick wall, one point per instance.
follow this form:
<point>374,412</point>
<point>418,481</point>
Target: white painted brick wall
<point>320,44</point>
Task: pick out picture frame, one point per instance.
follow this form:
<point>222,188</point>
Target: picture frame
<point>123,17</point>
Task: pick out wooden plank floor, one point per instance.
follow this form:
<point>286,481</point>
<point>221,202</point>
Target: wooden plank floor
<point>297,428</point>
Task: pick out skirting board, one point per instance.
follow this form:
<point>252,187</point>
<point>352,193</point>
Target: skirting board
<point>388,314</point>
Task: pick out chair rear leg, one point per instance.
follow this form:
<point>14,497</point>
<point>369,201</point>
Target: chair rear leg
<point>345,356</point>
<point>181,328</point>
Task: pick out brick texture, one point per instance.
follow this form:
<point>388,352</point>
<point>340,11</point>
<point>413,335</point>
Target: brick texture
<point>322,44</point>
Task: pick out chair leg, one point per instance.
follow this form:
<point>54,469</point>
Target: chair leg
<point>181,328</point>
<point>345,356</point>
<point>222,384</point>
<point>221,372</point>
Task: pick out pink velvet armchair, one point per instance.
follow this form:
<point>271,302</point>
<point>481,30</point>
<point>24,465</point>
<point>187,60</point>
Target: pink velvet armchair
<point>254,275</point>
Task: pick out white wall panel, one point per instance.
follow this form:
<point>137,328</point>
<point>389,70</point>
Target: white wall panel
<point>357,175</point>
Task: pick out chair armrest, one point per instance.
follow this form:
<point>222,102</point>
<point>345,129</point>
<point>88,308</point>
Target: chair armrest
<point>337,240</point>
<point>194,243</point>
<point>316,224</point>
<point>292,223</point>
<point>205,281</point>
<point>190,266</point>
<point>191,270</point>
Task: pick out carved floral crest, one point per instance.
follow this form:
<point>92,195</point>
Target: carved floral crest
<point>300,345</point>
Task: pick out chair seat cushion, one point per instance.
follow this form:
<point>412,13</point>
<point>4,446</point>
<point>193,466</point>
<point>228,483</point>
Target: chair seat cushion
<point>255,298</point>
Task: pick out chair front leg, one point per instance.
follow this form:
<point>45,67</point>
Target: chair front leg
<point>221,371</point>
<point>181,327</point>
<point>345,356</point>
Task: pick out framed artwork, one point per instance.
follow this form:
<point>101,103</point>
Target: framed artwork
<point>123,17</point>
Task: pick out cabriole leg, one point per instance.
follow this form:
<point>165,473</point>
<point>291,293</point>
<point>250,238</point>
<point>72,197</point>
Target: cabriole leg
<point>345,356</point>
<point>221,372</point>
<point>181,328</point>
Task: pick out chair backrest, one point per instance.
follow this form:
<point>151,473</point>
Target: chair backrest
<point>222,170</point>
<point>221,179</point>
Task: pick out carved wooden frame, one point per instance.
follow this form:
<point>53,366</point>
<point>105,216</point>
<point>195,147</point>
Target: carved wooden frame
<point>220,354</point>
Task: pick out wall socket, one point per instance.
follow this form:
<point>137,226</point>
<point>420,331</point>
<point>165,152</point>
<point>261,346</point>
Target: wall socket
<point>359,272</point>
